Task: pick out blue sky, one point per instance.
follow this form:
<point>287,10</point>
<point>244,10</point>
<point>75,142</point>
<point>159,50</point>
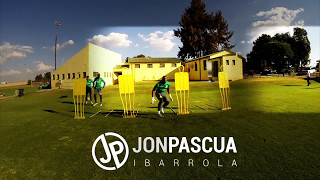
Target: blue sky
<point>27,29</point>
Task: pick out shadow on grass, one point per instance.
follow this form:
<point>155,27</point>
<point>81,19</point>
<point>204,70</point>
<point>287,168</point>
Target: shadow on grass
<point>290,85</point>
<point>67,102</point>
<point>56,112</point>
<point>312,88</point>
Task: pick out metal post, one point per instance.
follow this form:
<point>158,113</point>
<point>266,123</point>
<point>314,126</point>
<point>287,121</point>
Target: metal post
<point>57,23</point>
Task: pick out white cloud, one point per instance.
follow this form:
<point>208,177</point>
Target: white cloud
<point>278,20</point>
<point>112,40</point>
<point>243,42</point>
<point>160,41</point>
<point>65,44</point>
<point>300,23</point>
<point>137,45</point>
<point>278,16</point>
<point>11,72</point>
<point>42,67</point>
<point>254,33</point>
<point>12,52</point>
<point>29,70</point>
<point>61,46</point>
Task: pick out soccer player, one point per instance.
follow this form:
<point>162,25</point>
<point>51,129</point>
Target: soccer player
<point>88,89</point>
<point>97,85</point>
<point>308,77</point>
<point>160,91</point>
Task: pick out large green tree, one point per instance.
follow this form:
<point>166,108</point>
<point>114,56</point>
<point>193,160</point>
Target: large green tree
<point>279,52</point>
<point>202,33</point>
<point>258,58</point>
<point>301,47</point>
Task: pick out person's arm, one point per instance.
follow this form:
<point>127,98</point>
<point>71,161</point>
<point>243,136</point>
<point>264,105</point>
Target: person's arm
<point>94,81</point>
<point>153,93</point>
<point>169,93</point>
<point>154,90</point>
<point>104,83</point>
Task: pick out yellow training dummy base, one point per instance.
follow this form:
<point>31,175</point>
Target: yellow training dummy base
<point>127,95</point>
<point>79,94</point>
<point>224,90</point>
<point>182,92</point>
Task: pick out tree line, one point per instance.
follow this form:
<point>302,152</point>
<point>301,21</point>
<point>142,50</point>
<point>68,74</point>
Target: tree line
<point>280,52</point>
<point>43,78</point>
<point>203,33</point>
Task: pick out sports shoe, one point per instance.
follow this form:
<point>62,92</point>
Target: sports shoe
<point>91,102</point>
<point>94,104</point>
<point>162,111</point>
<point>100,104</point>
<point>86,102</point>
<point>159,114</point>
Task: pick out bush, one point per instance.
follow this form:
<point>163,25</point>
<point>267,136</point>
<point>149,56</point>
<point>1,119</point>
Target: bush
<point>29,82</point>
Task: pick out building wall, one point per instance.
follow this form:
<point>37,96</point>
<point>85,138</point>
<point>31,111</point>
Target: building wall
<point>102,61</point>
<point>76,64</point>
<point>234,72</point>
<point>145,73</point>
<point>200,73</point>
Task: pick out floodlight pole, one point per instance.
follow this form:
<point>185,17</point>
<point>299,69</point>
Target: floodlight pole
<point>57,23</point>
<point>55,53</point>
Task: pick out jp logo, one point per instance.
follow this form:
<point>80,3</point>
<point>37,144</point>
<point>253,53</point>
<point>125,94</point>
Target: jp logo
<point>110,151</point>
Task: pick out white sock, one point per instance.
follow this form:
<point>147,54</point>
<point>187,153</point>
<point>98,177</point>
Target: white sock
<point>158,112</point>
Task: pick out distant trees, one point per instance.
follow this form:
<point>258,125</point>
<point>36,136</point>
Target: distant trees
<point>140,56</point>
<point>38,78</point>
<point>201,32</point>
<point>45,78</point>
<point>280,52</point>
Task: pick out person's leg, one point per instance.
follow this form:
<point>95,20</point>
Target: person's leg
<point>159,97</point>
<point>95,97</point>
<point>90,95</point>
<point>87,94</point>
<point>166,101</point>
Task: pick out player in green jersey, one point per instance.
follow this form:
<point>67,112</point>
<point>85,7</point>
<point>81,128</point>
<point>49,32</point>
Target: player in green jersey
<point>160,91</point>
<point>97,85</point>
<point>88,89</point>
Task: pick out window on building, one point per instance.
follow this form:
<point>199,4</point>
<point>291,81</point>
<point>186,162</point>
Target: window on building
<point>58,77</point>
<point>68,75</point>
<point>53,77</point>
<point>125,66</point>
<point>162,65</point>
<point>110,74</point>
<point>84,74</point>
<point>137,65</point>
<point>149,65</point>
<point>62,76</point>
<point>105,74</point>
<point>79,75</point>
<point>195,66</point>
<point>174,65</point>
<point>73,75</point>
<point>205,65</point>
<point>234,62</point>
<point>227,62</point>
<point>95,74</point>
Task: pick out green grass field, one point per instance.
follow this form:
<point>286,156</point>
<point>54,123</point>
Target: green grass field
<point>275,123</point>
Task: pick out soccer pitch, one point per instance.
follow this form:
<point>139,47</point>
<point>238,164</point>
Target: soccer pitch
<point>274,121</point>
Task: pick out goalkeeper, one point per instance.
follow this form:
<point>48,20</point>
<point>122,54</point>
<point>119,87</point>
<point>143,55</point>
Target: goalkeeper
<point>160,91</point>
